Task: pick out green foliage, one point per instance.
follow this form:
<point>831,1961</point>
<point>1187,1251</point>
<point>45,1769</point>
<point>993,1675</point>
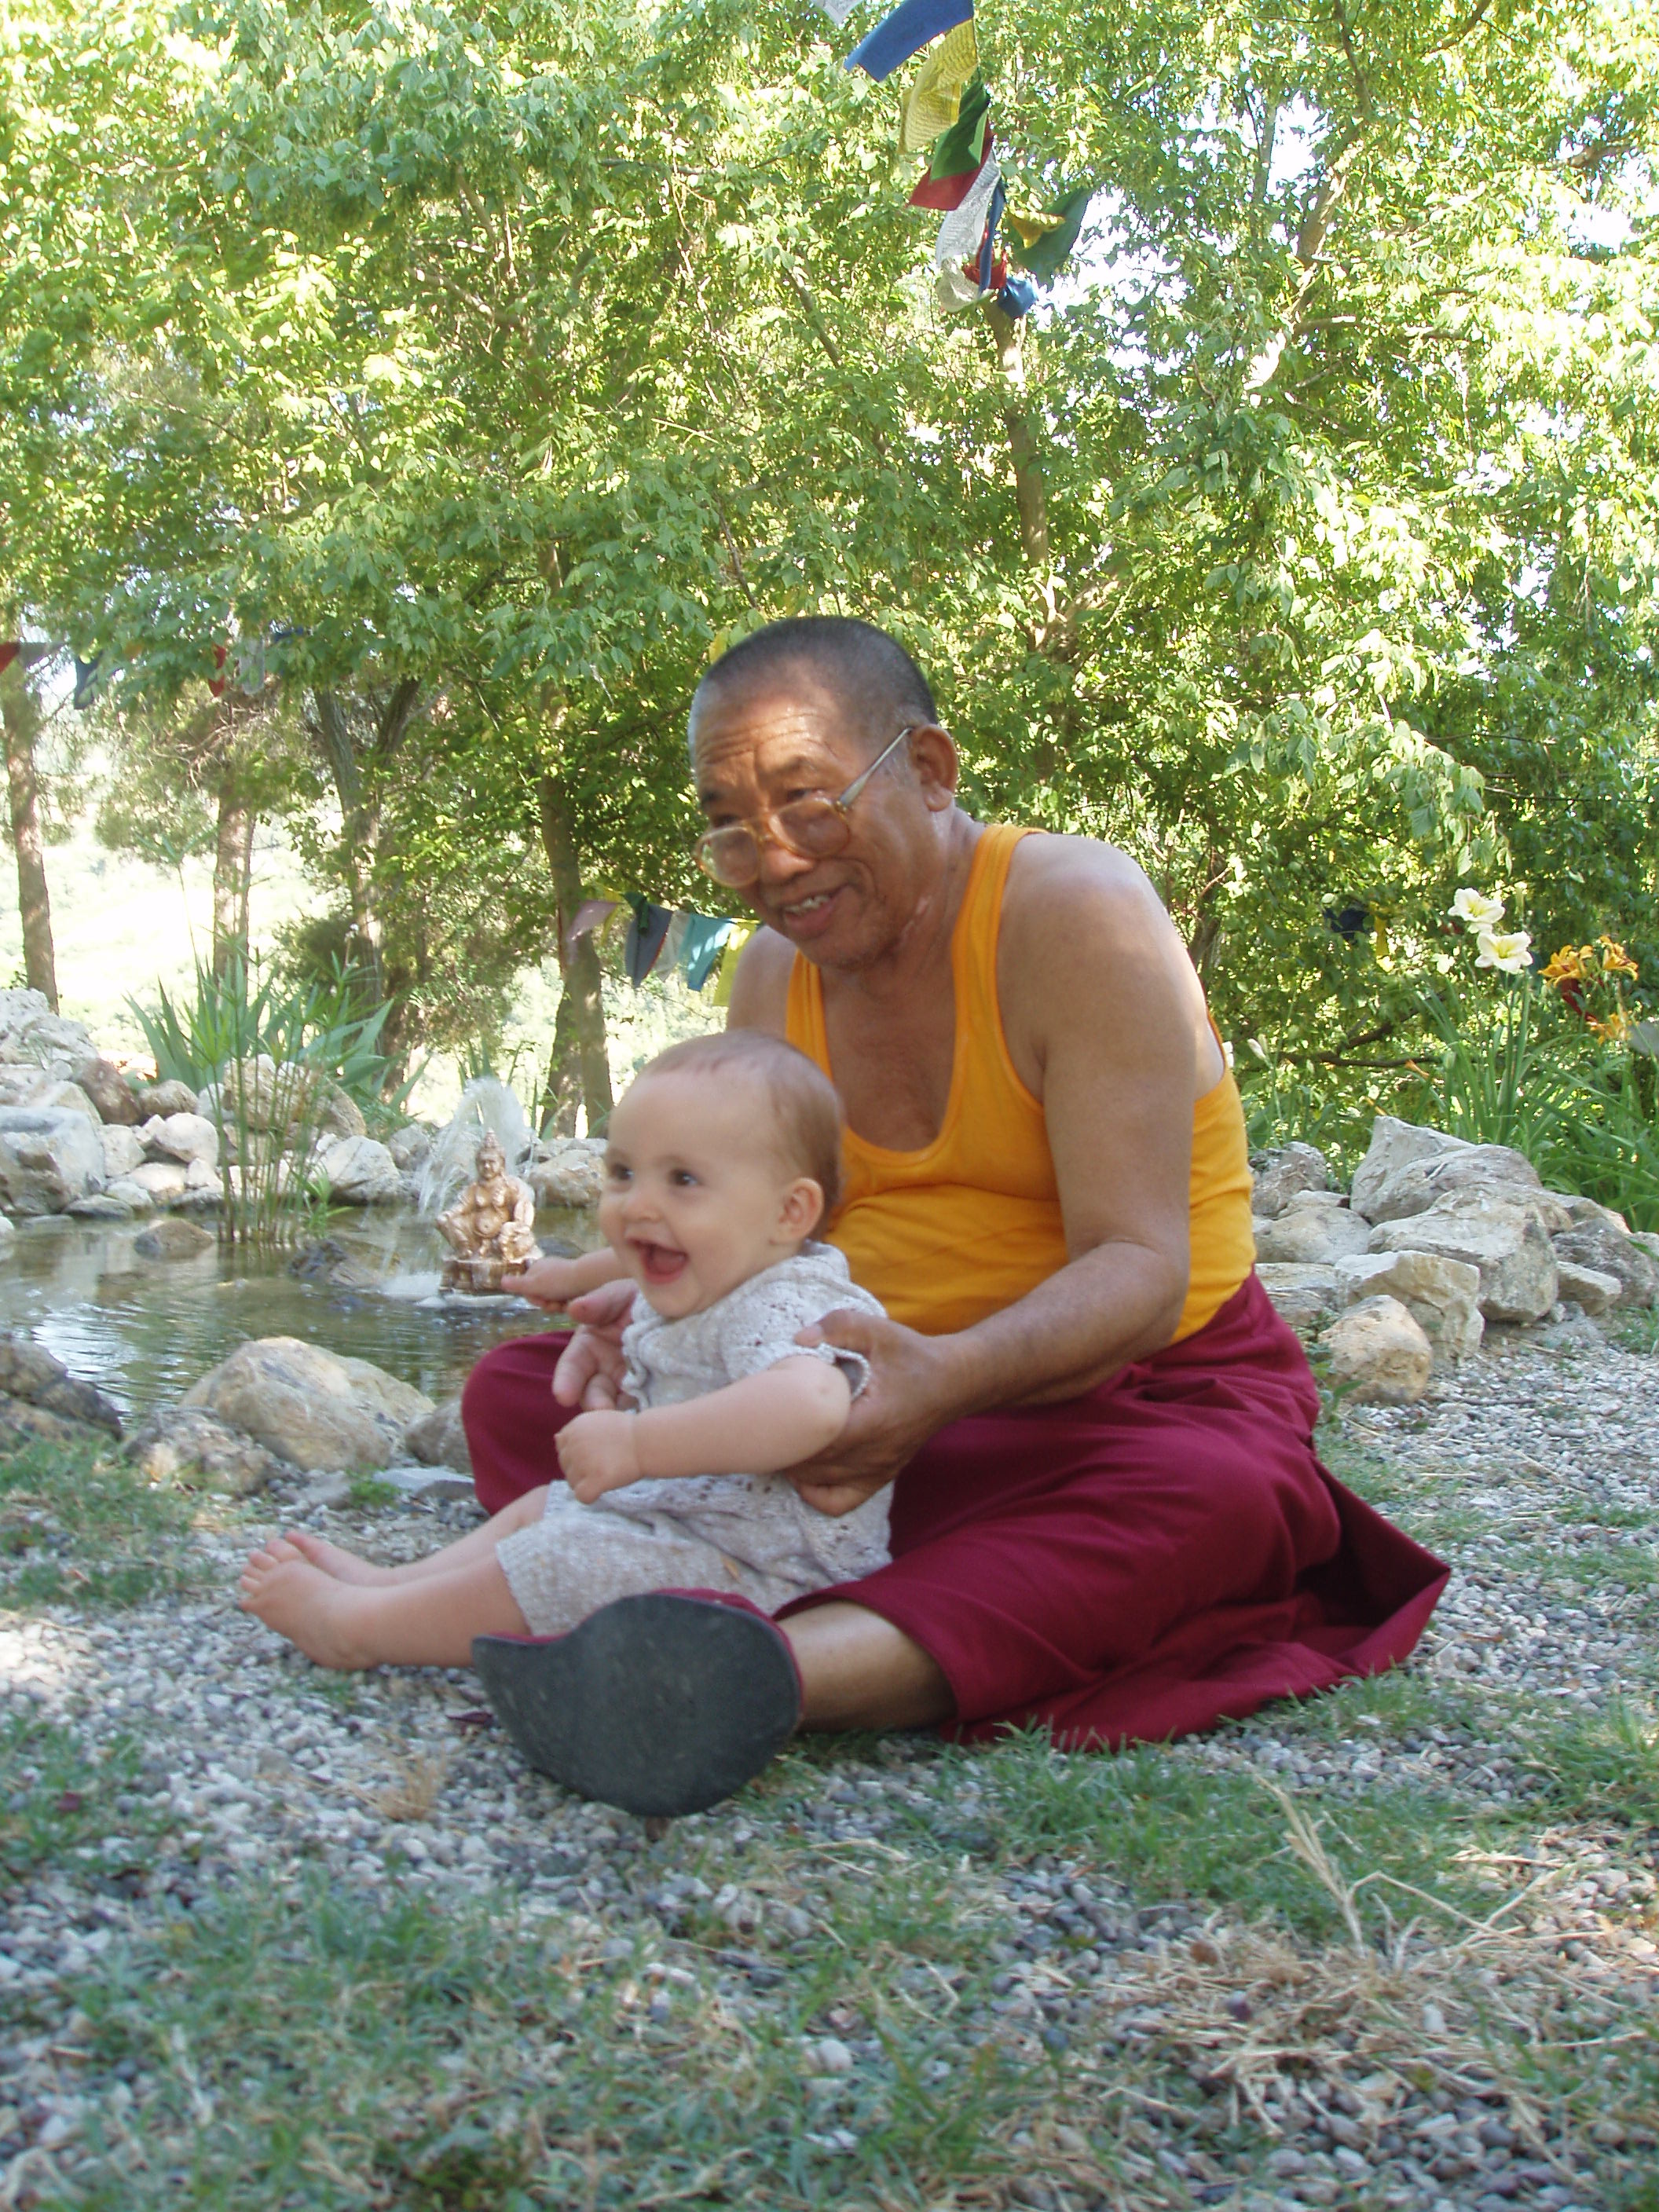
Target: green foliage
<point>78,1525</point>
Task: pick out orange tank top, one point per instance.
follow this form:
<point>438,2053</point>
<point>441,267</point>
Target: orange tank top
<point>971,1223</point>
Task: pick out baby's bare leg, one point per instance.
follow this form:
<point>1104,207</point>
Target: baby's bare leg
<point>476,1544</point>
<point>429,1623</point>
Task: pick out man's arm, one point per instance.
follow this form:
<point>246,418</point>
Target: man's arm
<point>1104,1021</point>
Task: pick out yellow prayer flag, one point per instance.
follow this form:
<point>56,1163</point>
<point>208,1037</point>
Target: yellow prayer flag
<point>728,967</point>
<point>935,101</point>
<point>1027,229</point>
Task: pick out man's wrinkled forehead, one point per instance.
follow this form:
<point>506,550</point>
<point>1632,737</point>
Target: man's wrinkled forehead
<point>792,718</point>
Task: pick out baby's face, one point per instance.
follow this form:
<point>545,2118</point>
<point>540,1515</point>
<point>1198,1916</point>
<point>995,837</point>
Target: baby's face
<point>696,1200</point>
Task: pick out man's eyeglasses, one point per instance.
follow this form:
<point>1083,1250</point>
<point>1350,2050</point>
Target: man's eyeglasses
<point>816,827</point>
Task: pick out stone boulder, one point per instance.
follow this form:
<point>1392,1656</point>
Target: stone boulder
<point>51,1096</point>
<point>174,1239</point>
<point>164,1182</point>
<point>1579,1210</point>
<point>1441,1296</point>
<point>1502,1237</point>
<point>438,1439</point>
<point>409,1147</point>
<point>1315,1228</point>
<point>164,1098</point>
<point>1609,1251</point>
<point>100,1206</point>
<point>309,1407</point>
<point>109,1091</point>
<point>1283,1173</point>
<point>30,1032</point>
<point>28,1372</point>
<point>123,1148</point>
<point>1408,1169</point>
<point>196,1449</point>
<point>280,1101</point>
<point>327,1261</point>
<point>23,1424</point>
<point>1381,1351</point>
<point>132,1195</point>
<point>183,1137</point>
<point>47,1159</point>
<point>1306,1296</point>
<point>1587,1288</point>
<point>361,1172</point>
<point>1646,1240</point>
<point>573,1174</point>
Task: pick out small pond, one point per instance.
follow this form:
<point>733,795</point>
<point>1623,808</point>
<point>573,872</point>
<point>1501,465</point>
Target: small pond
<point>143,1330</point>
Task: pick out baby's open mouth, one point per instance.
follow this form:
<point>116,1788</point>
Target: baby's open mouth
<point>661,1263</point>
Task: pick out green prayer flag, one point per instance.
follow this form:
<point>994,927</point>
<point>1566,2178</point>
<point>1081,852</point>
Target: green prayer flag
<point>958,151</point>
<point>1047,254</point>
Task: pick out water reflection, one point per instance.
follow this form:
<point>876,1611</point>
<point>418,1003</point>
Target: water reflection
<point>142,1330</point>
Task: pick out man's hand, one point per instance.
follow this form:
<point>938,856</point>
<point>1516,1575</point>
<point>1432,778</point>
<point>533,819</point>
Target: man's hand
<point>598,1452</point>
<point>907,1400</point>
<point>590,1370</point>
<point>549,1283</point>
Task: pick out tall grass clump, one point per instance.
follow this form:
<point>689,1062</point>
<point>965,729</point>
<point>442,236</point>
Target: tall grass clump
<point>269,1061</point>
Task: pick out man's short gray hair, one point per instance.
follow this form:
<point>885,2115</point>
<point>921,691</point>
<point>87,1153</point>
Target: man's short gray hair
<point>878,684</point>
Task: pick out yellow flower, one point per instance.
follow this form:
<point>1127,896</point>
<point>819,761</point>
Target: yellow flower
<point>1616,1029</point>
<point>1615,961</point>
<point>1565,967</point>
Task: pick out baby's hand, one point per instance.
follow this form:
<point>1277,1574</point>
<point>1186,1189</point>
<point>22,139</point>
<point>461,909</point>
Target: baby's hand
<point>598,1452</point>
<point>549,1282</point>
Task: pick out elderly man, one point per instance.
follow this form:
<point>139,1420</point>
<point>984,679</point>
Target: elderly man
<point>1107,1517</point>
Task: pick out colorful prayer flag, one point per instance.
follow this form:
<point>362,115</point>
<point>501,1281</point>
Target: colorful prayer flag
<point>729,960</point>
<point>838,11</point>
<point>911,26</point>
<point>592,914</point>
<point>706,937</point>
<point>1016,297</point>
<point>86,681</point>
<point>647,934</point>
<point>965,255</point>
<point>1046,240</point>
<point>960,154</point>
<point>935,101</point>
<point>8,653</point>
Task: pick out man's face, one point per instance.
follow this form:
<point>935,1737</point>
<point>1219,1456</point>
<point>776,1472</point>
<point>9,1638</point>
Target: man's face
<point>756,749</point>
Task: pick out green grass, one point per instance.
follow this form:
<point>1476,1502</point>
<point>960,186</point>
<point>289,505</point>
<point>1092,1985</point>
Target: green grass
<point>79,1526</point>
<point>56,1800</point>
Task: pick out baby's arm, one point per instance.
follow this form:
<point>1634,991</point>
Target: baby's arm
<point>552,1283</point>
<point>759,1426</point>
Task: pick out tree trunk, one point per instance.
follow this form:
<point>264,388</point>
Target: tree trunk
<point>360,836</point>
<point>22,718</point>
<point>579,1062</point>
<point>233,860</point>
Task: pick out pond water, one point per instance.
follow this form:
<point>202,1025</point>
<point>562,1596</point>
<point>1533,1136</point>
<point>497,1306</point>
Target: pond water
<point>143,1330</point>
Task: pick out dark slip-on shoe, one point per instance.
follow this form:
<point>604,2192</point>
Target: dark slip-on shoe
<point>662,1704</point>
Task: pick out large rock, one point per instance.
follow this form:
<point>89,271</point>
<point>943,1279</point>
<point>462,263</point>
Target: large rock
<point>1646,1240</point>
<point>109,1091</point>
<point>571,1175</point>
<point>1380,1350</point>
<point>47,1159</point>
<point>199,1450</point>
<point>174,1239</point>
<point>183,1137</point>
<point>438,1439</point>
<point>1313,1230</point>
<point>1306,1296</point>
<point>164,1181</point>
<point>30,1031</point>
<point>1284,1172</point>
<point>132,1195</point>
<point>23,1424</point>
<point>1441,1296</point>
<point>1597,1245</point>
<point>123,1149</point>
<point>164,1098</point>
<point>361,1172</point>
<point>310,1408</point>
<point>51,1096</point>
<point>409,1146</point>
<point>1408,1169</point>
<point>1579,1209</point>
<point>280,1100</point>
<point>1502,1237</point>
<point>31,1373</point>
<point>1586,1287</point>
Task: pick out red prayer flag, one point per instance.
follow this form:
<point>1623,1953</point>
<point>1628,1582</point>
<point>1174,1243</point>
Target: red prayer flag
<point>947,193</point>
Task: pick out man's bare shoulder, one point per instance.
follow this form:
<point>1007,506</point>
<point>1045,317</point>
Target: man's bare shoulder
<point>1065,884</point>
<point>760,984</point>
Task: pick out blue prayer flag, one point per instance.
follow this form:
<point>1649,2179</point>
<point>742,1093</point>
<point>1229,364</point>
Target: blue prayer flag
<point>915,24</point>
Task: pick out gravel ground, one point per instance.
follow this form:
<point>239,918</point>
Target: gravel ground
<point>1536,1471</point>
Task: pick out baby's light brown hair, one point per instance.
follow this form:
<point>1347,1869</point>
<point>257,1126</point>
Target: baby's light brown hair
<point>805,1111</point>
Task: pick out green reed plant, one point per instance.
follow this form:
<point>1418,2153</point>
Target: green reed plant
<point>266,1058</point>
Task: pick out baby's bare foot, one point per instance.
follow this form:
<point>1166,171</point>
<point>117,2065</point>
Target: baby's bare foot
<point>322,1616</point>
<point>345,1566</point>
